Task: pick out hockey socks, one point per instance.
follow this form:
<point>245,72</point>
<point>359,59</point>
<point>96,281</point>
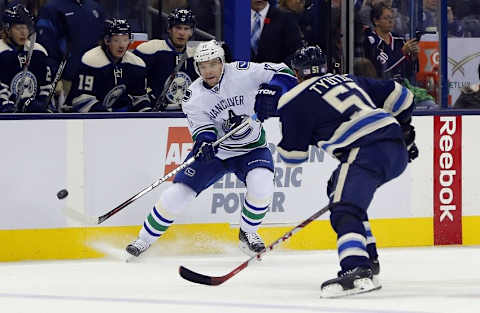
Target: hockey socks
<point>155,225</point>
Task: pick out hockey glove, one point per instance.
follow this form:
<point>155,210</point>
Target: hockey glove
<point>266,101</point>
<point>409,136</point>
<point>32,105</point>
<point>203,149</point>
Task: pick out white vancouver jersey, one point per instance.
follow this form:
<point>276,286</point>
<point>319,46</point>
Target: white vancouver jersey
<point>213,109</point>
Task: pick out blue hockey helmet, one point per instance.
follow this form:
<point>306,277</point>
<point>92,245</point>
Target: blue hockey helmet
<point>16,14</point>
<point>181,17</point>
<point>309,61</point>
<point>117,26</point>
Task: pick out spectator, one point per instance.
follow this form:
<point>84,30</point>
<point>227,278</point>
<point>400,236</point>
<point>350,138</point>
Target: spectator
<point>455,28</point>
<point>471,22</point>
<point>69,27</point>
<point>162,56</point>
<point>364,67</point>
<point>400,21</point>
<point>22,91</point>
<point>391,55</point>
<point>470,96</point>
<point>110,78</point>
<point>296,8</point>
<point>430,13</point>
<point>275,35</point>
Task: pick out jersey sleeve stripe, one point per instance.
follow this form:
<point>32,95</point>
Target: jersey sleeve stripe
<point>292,157</point>
<point>399,100</point>
<point>352,130</point>
<point>205,128</point>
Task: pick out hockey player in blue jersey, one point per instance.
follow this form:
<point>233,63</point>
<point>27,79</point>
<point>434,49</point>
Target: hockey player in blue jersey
<point>365,125</point>
<point>111,78</point>
<point>214,104</point>
<point>162,56</point>
<point>71,28</point>
<point>13,56</point>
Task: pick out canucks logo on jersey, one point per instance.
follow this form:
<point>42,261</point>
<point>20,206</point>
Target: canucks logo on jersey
<point>29,85</point>
<point>234,120</point>
<point>178,88</point>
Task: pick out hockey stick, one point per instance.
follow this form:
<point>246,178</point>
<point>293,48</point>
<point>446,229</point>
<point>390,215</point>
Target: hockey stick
<point>161,101</point>
<point>217,280</point>
<point>98,220</point>
<point>33,38</point>
<point>56,79</point>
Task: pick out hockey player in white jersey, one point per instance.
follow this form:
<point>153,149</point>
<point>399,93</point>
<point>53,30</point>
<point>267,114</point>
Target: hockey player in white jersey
<point>215,103</point>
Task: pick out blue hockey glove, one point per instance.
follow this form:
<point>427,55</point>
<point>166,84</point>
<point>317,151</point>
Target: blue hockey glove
<point>409,136</point>
<point>412,152</point>
<point>203,149</point>
<point>266,101</point>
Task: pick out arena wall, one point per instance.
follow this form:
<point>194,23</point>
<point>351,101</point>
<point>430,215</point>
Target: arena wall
<point>103,162</point>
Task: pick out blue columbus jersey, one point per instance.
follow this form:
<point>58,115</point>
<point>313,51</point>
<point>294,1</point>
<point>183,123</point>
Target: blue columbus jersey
<point>388,59</point>
<point>338,112</point>
<point>62,22</point>
<point>161,59</point>
<point>105,86</point>
<point>36,81</point>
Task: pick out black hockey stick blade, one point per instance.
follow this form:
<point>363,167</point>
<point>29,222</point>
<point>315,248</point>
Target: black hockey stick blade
<point>198,278</point>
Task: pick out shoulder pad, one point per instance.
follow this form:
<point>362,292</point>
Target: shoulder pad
<point>153,46</point>
<point>131,58</point>
<point>3,46</point>
<point>292,93</point>
<point>40,48</point>
<point>95,58</point>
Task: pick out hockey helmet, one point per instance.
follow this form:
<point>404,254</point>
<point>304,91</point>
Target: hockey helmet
<point>16,14</point>
<point>206,51</point>
<point>309,61</point>
<point>181,17</point>
<point>117,26</point>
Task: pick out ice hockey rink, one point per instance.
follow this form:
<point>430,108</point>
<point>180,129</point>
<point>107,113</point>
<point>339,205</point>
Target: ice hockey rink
<point>428,279</point>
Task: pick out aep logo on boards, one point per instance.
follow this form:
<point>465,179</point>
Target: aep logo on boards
<point>447,173</point>
<point>179,144</point>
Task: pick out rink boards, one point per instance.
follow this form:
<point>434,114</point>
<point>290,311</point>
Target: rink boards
<point>103,162</point>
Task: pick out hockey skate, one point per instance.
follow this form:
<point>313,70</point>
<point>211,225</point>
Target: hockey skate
<point>250,243</point>
<point>354,281</point>
<point>375,272</point>
<point>137,247</point>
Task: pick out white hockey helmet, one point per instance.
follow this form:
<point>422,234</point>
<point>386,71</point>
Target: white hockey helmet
<point>206,51</point>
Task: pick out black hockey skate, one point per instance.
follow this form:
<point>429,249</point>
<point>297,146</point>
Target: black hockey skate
<point>250,243</point>
<point>354,281</point>
<point>137,247</point>
<point>375,267</point>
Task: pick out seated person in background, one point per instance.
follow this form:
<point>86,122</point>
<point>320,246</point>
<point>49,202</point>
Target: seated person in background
<point>110,78</point>
<point>392,56</point>
<point>22,91</point>
<point>470,96</point>
<point>162,57</point>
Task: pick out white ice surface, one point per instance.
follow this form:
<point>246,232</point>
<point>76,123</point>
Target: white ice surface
<point>433,279</point>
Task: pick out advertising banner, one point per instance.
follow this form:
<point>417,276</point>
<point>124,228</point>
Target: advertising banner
<point>447,160</point>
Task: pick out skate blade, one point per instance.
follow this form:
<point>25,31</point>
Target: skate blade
<point>362,285</point>
<point>244,248</point>
<point>129,258</point>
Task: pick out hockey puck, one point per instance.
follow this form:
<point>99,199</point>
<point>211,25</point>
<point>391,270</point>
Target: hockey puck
<point>62,194</point>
